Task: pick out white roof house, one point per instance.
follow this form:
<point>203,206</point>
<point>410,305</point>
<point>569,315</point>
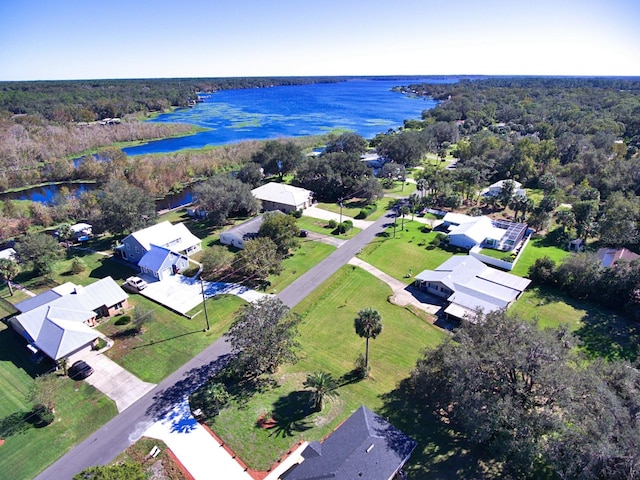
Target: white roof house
<point>280,196</point>
<point>57,322</point>
<point>8,253</point>
<point>469,285</point>
<point>160,262</point>
<point>175,237</point>
<point>495,189</point>
<point>455,219</point>
<point>475,232</point>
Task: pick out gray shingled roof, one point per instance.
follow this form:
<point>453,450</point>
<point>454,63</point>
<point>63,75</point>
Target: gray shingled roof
<point>365,446</point>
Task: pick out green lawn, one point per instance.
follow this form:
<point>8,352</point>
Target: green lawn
<point>409,250</point>
<point>169,340</point>
<point>320,226</point>
<point>329,343</point>
<point>538,248</point>
<point>400,189</point>
<point>307,256</point>
<point>602,333</point>
<point>80,410</point>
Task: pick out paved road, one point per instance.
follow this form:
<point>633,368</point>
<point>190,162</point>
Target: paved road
<point>109,441</point>
<point>308,282</point>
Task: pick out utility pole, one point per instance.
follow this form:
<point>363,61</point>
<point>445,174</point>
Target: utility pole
<point>204,303</point>
<point>340,225</point>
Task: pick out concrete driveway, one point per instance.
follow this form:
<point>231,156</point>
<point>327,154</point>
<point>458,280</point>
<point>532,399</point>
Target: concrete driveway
<point>182,294</point>
<point>200,453</point>
<point>115,382</point>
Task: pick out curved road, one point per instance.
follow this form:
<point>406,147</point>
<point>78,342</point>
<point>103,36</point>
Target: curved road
<point>111,439</point>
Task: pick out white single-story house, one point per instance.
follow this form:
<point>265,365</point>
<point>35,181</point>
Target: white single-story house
<point>469,285</point>
<point>175,237</point>
<point>160,262</point>
<point>453,219</point>
<point>237,235</point>
<point>58,322</point>
<point>470,232</point>
<point>495,189</point>
<point>280,196</point>
<point>8,253</point>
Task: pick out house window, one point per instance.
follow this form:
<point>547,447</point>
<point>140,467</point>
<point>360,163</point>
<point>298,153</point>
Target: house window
<point>137,249</point>
<point>128,246</point>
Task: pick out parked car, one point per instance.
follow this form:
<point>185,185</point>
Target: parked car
<point>134,284</point>
<point>80,370</point>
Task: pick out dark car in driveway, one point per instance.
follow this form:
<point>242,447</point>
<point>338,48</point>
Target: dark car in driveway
<point>80,370</point>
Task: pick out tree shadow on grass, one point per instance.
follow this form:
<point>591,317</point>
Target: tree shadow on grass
<point>165,400</point>
<point>291,414</point>
<point>441,453</point>
<point>13,348</point>
<point>115,268</point>
<point>602,333</point>
<point>609,336</point>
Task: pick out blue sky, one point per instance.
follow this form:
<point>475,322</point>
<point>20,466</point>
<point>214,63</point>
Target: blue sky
<point>81,39</point>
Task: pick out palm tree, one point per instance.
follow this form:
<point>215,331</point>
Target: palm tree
<point>414,201</point>
<point>216,396</point>
<point>403,210</point>
<point>322,385</point>
<point>368,324</point>
<point>8,271</point>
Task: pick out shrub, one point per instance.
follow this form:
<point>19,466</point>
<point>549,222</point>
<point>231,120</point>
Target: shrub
<point>426,229</point>
<point>345,226</point>
<point>100,343</point>
<point>297,213</point>
<point>78,266</point>
<point>360,367</point>
<point>123,320</point>
<point>332,224</point>
<point>366,211</point>
<point>42,416</point>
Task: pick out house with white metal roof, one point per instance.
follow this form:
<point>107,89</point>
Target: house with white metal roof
<point>58,322</point>
<point>283,197</point>
<point>468,232</point>
<point>469,285</point>
<point>160,262</point>
<point>174,237</point>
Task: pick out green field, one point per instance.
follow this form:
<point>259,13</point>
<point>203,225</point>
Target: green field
<point>602,333</point>
<point>408,251</point>
<point>320,226</point>
<point>169,340</point>
<point>307,256</point>
<point>329,343</point>
<point>537,248</point>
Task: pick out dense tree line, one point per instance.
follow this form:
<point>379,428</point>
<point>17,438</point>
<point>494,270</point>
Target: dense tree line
<point>582,276</point>
<point>89,100</point>
<point>522,128</point>
<point>530,401</point>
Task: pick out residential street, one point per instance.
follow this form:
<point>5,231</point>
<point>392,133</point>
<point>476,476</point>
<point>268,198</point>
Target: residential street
<point>106,443</point>
<point>308,282</point>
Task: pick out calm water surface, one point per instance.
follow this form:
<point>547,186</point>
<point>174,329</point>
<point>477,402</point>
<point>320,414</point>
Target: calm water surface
<point>367,107</point>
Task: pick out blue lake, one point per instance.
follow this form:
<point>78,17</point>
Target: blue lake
<point>365,106</point>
